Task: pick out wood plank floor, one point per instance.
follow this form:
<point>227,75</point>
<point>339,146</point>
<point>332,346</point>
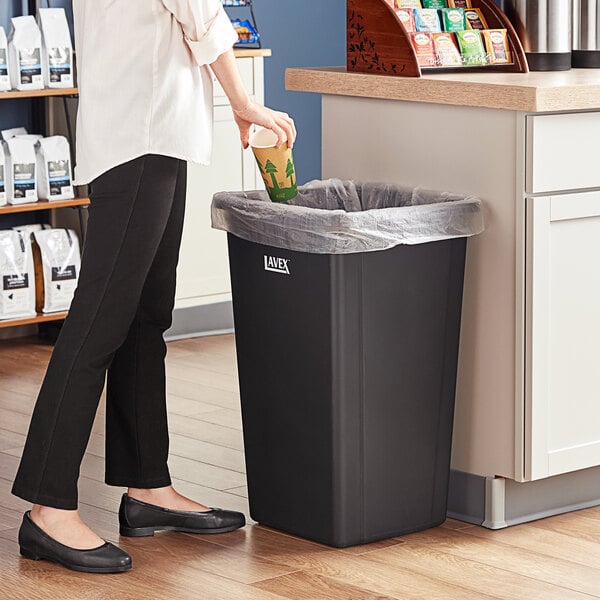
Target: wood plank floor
<point>552,559</point>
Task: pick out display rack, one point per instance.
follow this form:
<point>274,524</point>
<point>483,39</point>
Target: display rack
<point>10,209</point>
<point>250,6</point>
<point>378,43</point>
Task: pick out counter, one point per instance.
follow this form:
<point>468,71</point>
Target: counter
<point>578,89</point>
<point>527,426</point>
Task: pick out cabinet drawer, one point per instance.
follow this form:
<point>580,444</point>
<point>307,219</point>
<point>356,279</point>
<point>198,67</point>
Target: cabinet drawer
<point>562,152</point>
<point>246,67</point>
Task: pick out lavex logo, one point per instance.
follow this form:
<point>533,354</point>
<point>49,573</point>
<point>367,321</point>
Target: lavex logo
<point>277,265</point>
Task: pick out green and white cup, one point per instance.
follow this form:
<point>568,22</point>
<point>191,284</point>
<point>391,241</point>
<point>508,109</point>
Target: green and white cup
<point>276,165</point>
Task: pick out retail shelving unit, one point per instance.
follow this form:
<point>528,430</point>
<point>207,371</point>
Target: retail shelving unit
<point>77,203</point>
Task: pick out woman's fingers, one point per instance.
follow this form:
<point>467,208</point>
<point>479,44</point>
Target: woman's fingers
<point>280,132</point>
<point>279,122</point>
<point>286,123</point>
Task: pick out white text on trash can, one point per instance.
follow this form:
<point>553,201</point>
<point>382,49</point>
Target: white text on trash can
<point>277,265</point>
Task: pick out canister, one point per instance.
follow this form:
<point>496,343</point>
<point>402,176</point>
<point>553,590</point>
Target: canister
<point>545,28</point>
<point>586,33</point>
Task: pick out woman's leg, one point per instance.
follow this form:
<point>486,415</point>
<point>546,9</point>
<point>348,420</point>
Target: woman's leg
<point>137,439</point>
<point>129,212</point>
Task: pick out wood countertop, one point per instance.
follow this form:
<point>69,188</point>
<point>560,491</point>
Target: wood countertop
<point>250,52</point>
<point>578,89</point>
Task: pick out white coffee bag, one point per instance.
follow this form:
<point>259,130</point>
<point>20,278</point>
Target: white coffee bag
<point>5,84</point>
<point>14,132</point>
<point>25,54</point>
<point>17,278</point>
<point>57,50</point>
<point>22,171</point>
<point>57,262</point>
<point>3,172</point>
<point>29,228</point>
<point>55,180</point>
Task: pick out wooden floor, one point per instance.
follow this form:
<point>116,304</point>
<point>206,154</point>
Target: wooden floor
<point>552,559</point>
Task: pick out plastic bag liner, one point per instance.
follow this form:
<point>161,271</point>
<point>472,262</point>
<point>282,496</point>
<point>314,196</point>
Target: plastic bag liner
<point>343,217</point>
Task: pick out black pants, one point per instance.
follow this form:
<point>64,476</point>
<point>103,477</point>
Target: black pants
<point>122,306</point>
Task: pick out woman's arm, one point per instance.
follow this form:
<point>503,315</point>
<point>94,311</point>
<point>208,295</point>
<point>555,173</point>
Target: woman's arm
<point>245,111</point>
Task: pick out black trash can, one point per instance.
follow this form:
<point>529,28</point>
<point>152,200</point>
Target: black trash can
<point>347,368</point>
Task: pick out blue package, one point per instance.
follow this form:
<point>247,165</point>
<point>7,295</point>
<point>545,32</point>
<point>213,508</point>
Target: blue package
<point>428,19</point>
<point>246,32</point>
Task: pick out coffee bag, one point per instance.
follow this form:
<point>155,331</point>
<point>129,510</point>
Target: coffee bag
<point>3,171</point>
<point>57,50</point>
<point>4,69</point>
<point>25,54</point>
<point>55,181</point>
<point>57,263</point>
<point>22,171</point>
<point>14,132</point>
<point>17,279</point>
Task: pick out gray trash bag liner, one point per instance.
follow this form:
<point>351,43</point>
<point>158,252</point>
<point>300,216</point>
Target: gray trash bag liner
<point>343,217</point>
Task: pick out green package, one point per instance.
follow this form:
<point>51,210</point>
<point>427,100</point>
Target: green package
<point>454,19</point>
<point>471,47</point>
<point>434,3</point>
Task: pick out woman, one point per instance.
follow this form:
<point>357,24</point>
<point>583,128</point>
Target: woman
<point>145,108</point>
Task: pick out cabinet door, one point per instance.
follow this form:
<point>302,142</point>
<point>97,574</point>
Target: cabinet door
<point>203,269</point>
<point>562,417</point>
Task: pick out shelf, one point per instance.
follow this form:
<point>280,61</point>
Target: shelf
<point>42,205</point>
<point>39,318</point>
<point>39,93</point>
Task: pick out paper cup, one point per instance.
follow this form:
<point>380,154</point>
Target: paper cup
<point>276,165</point>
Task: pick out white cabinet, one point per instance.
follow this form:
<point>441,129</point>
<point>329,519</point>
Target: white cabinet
<point>203,272</point>
<point>563,334</point>
<point>562,152</point>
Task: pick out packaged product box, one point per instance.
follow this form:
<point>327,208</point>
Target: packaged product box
<point>446,50</point>
<point>471,47</point>
<point>434,3</point>
<point>3,174</point>
<point>247,33</point>
<point>453,19</point>
<point>496,44</point>
<point>57,50</point>
<point>25,54</point>
<point>5,84</point>
<point>55,179</point>
<point>57,264</point>
<point>17,278</point>
<point>475,19</point>
<point>423,44</point>
<point>428,20</point>
<point>21,175</point>
<point>407,18</point>
<point>459,3</point>
<point>409,4</point>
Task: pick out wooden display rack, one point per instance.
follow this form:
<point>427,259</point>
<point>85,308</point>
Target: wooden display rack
<point>378,42</point>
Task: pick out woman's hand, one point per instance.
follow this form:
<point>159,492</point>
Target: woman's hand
<point>257,114</point>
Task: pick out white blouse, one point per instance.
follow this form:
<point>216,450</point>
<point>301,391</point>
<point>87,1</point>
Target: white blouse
<point>144,83</point>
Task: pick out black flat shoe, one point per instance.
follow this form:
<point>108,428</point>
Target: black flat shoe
<point>139,519</point>
<point>36,544</point>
